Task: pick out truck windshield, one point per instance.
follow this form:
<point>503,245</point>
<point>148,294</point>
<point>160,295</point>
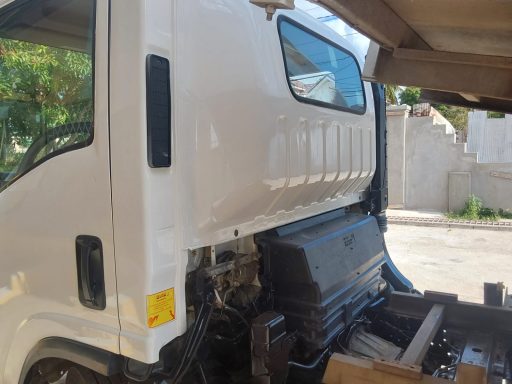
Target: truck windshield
<point>46,81</point>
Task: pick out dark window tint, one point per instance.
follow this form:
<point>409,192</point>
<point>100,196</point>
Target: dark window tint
<point>46,81</point>
<point>320,72</point>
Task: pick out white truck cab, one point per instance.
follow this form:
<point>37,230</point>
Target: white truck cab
<point>188,193</point>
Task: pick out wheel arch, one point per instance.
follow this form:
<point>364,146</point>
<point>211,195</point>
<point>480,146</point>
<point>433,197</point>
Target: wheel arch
<point>98,360</point>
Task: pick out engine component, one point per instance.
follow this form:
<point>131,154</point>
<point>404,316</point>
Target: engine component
<point>367,344</point>
<point>238,269</point>
<point>235,278</point>
<point>186,346</point>
<point>323,271</point>
<point>507,368</point>
<point>477,352</point>
<point>270,347</point>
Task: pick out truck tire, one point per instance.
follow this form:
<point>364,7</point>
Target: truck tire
<point>81,375</point>
<point>74,374</point>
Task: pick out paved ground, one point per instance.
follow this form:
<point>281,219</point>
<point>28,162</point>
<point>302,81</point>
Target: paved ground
<point>422,214</point>
<point>451,259</point>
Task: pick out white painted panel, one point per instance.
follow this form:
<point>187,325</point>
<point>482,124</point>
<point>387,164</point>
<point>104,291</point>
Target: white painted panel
<point>246,155</point>
<point>274,157</point>
<point>41,214</point>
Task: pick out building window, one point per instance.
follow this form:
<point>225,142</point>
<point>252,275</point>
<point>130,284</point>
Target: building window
<point>320,72</point>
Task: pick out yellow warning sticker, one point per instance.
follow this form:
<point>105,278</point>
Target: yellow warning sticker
<point>160,308</point>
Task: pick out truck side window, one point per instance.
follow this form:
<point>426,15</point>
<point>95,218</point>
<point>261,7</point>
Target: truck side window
<point>320,72</point>
<point>46,82</point>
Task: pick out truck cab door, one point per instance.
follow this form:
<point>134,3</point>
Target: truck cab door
<point>57,269</point>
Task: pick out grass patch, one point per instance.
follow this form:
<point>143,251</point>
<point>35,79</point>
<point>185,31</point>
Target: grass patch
<point>474,210</point>
<point>505,214</point>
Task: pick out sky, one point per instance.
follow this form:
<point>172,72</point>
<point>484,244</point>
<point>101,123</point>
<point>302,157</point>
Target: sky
<point>359,41</point>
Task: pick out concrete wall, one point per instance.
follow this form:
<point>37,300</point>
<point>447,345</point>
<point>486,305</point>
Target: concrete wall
<point>397,122</point>
<point>424,160</point>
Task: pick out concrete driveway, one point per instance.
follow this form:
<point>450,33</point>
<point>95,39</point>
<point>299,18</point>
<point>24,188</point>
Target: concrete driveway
<point>451,259</point>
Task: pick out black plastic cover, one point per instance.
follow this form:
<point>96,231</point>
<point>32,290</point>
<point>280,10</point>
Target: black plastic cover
<point>90,272</point>
<point>379,185</point>
<point>158,111</point>
<point>323,271</point>
<point>267,330</point>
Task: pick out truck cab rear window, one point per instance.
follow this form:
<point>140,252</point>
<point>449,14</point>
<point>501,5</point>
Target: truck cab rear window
<point>46,82</point>
<point>320,72</point>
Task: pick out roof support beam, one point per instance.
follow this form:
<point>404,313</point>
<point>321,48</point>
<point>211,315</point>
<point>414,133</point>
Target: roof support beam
<point>453,58</point>
<point>498,105</point>
<point>447,75</point>
<point>458,49</point>
<point>374,18</point>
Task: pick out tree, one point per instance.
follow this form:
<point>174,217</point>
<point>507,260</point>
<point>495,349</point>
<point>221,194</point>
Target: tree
<point>410,96</point>
<point>457,116</point>
<point>41,87</point>
<point>495,115</point>
<point>390,92</point>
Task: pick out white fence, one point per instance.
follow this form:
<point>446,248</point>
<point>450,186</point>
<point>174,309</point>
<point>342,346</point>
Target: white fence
<point>490,138</point>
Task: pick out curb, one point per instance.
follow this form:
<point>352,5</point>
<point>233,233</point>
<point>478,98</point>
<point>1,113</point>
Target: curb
<point>448,223</point>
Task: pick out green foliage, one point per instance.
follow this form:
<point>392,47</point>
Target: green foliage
<point>390,92</point>
<point>505,214</point>
<point>495,115</point>
<point>410,96</point>
<point>474,210</point>
<point>488,214</point>
<point>41,87</point>
<point>457,116</point>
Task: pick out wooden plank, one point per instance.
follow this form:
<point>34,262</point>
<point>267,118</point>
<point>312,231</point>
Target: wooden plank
<point>475,364</point>
<point>343,369</point>
<point>487,103</point>
<point>441,297</point>
<point>398,369</point>
<point>376,19</point>
<point>419,346</point>
<point>457,315</point>
<point>473,79</point>
<point>471,374</point>
<point>502,175</point>
<point>453,58</point>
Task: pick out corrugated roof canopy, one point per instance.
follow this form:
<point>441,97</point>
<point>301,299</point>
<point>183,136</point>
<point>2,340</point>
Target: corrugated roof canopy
<point>461,50</point>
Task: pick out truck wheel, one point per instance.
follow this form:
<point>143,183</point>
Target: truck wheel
<point>73,374</point>
<point>80,375</point>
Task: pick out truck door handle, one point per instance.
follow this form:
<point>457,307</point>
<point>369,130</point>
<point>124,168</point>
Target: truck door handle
<point>90,273</point>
